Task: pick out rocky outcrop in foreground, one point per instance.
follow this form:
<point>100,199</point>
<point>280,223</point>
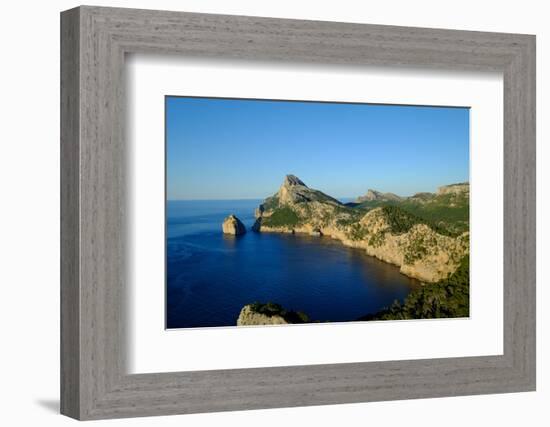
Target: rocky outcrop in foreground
<point>248,317</point>
<point>269,314</point>
<point>233,225</point>
<point>422,248</point>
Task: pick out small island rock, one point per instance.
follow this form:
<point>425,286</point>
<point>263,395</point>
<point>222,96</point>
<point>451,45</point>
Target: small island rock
<point>233,225</point>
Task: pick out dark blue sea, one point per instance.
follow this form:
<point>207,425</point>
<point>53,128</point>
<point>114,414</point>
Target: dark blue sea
<point>211,276</point>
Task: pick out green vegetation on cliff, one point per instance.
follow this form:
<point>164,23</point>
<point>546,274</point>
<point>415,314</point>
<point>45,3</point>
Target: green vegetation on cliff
<point>402,215</point>
<point>282,217</point>
<point>449,297</point>
<point>357,232</point>
<point>423,234</point>
<point>450,212</point>
<point>401,221</point>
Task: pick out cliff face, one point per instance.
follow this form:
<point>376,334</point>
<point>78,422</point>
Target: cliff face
<point>422,248</point>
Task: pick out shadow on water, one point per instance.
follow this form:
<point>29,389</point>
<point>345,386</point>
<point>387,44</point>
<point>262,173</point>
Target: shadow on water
<point>231,241</point>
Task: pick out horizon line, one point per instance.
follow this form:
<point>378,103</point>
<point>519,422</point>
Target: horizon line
<point>335,197</point>
<point>241,198</point>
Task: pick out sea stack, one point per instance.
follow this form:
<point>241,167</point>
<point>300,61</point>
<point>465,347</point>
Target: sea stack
<point>233,225</point>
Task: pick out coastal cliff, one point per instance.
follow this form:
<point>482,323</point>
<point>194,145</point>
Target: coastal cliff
<point>426,235</point>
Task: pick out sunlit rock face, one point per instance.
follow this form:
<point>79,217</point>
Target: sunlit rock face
<point>233,225</point>
<point>382,224</point>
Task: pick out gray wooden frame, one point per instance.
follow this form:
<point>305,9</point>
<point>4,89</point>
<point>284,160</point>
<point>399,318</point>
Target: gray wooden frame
<point>94,382</point>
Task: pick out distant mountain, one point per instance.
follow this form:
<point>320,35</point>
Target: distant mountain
<point>460,188</point>
<point>426,235</point>
<point>449,207</point>
<point>373,195</point>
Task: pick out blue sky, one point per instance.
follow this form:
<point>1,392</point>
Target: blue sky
<point>242,149</point>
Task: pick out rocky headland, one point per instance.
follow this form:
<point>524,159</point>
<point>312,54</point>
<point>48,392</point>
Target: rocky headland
<point>425,235</point>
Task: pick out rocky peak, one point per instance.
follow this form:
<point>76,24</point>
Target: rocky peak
<point>294,190</point>
<point>371,195</point>
<point>378,196</point>
<point>292,180</point>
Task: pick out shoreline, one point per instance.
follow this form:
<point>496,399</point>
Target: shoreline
<point>338,235</point>
<point>346,243</point>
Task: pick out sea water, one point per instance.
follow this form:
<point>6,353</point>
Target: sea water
<point>211,276</point>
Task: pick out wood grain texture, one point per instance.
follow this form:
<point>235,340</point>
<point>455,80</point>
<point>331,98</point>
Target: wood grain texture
<point>94,381</point>
<point>70,220</point>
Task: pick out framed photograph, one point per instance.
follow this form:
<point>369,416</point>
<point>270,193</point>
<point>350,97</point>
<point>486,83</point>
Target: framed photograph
<point>262,213</point>
<point>301,255</point>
